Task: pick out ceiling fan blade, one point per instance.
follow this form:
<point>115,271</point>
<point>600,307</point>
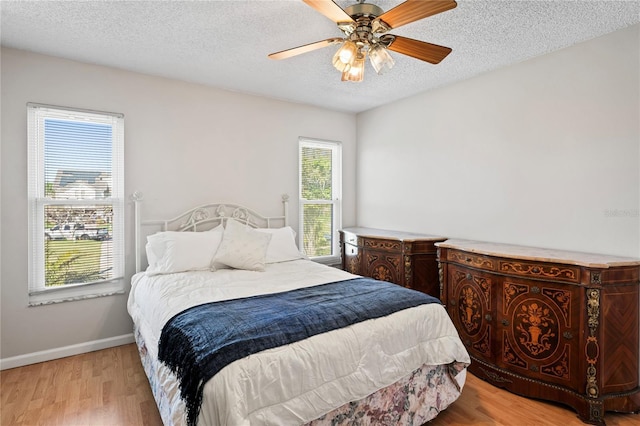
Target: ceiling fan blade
<point>422,50</point>
<point>330,9</point>
<point>414,10</point>
<point>284,54</point>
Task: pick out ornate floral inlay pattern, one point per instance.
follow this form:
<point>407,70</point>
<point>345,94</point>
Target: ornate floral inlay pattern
<point>382,273</point>
<point>536,324</point>
<point>383,245</point>
<point>394,260</point>
<point>535,270</point>
<point>510,291</point>
<point>485,285</point>
<point>559,368</point>
<point>509,355</point>
<point>562,299</point>
<point>484,344</point>
<point>354,264</point>
<point>470,309</point>
<point>459,277</point>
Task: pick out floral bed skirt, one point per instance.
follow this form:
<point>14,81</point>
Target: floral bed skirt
<point>413,400</point>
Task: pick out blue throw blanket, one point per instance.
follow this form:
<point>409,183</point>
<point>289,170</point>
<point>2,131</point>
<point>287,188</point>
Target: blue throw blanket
<point>198,342</point>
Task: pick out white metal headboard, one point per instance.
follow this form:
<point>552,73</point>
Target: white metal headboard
<point>203,218</point>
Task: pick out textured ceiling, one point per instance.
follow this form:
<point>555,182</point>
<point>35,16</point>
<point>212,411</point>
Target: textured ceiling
<point>225,43</point>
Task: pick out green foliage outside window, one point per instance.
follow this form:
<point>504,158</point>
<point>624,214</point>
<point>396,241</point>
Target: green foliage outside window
<point>71,262</point>
<point>317,185</point>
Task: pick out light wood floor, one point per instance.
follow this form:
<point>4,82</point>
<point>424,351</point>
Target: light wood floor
<point>109,387</point>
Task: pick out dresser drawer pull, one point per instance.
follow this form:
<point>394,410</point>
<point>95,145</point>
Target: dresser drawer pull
<point>469,277</point>
<point>535,270</point>
<point>453,303</point>
<point>505,322</point>
<point>567,335</point>
<point>488,317</point>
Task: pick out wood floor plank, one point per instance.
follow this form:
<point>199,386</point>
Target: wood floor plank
<point>106,387</point>
<point>484,404</point>
<point>109,387</point>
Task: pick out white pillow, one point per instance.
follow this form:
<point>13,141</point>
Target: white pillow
<point>170,252</point>
<point>282,246</point>
<point>242,247</point>
<point>152,257</point>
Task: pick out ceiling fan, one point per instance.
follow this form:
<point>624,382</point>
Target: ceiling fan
<point>365,28</point>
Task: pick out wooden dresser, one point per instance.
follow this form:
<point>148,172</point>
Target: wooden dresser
<point>549,324</point>
<point>403,258</point>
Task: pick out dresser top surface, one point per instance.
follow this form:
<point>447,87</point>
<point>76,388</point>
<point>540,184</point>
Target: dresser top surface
<point>540,254</point>
<point>391,235</point>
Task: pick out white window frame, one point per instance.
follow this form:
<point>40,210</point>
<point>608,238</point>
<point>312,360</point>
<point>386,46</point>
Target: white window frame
<point>38,293</point>
<point>336,201</point>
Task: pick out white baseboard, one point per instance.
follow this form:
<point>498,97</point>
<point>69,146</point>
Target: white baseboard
<point>65,351</point>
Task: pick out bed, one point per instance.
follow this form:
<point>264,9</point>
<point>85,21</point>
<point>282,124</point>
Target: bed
<point>226,266</point>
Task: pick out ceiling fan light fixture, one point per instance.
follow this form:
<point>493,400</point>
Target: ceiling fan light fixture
<point>365,29</point>
<point>345,56</point>
<point>355,72</point>
<point>380,59</point>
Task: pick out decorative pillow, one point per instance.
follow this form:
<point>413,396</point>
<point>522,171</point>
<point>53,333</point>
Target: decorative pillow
<point>282,246</point>
<point>242,247</point>
<point>170,252</point>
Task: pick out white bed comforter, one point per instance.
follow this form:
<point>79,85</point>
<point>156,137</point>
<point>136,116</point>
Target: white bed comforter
<point>296,383</point>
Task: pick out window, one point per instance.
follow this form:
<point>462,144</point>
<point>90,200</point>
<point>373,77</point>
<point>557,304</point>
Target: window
<point>320,198</point>
<point>76,203</point>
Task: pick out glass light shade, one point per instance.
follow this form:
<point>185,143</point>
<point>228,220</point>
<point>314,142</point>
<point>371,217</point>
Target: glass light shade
<point>380,59</point>
<point>344,57</point>
<point>356,71</point>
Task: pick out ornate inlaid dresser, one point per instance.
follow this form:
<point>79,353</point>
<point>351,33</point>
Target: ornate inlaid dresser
<point>403,258</point>
<point>555,325</point>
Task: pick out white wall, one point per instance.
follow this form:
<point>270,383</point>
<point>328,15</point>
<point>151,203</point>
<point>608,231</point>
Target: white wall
<point>543,153</point>
<point>185,145</point>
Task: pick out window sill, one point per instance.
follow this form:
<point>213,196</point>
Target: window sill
<point>73,293</point>
<point>334,261</point>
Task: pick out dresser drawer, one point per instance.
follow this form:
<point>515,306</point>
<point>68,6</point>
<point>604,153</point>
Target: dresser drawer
<point>470,259</point>
<point>386,245</point>
<point>555,271</point>
<point>349,238</point>
<point>350,250</point>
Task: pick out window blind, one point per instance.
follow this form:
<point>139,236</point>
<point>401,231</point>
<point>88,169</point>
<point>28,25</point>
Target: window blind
<point>319,196</point>
<point>76,196</point>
